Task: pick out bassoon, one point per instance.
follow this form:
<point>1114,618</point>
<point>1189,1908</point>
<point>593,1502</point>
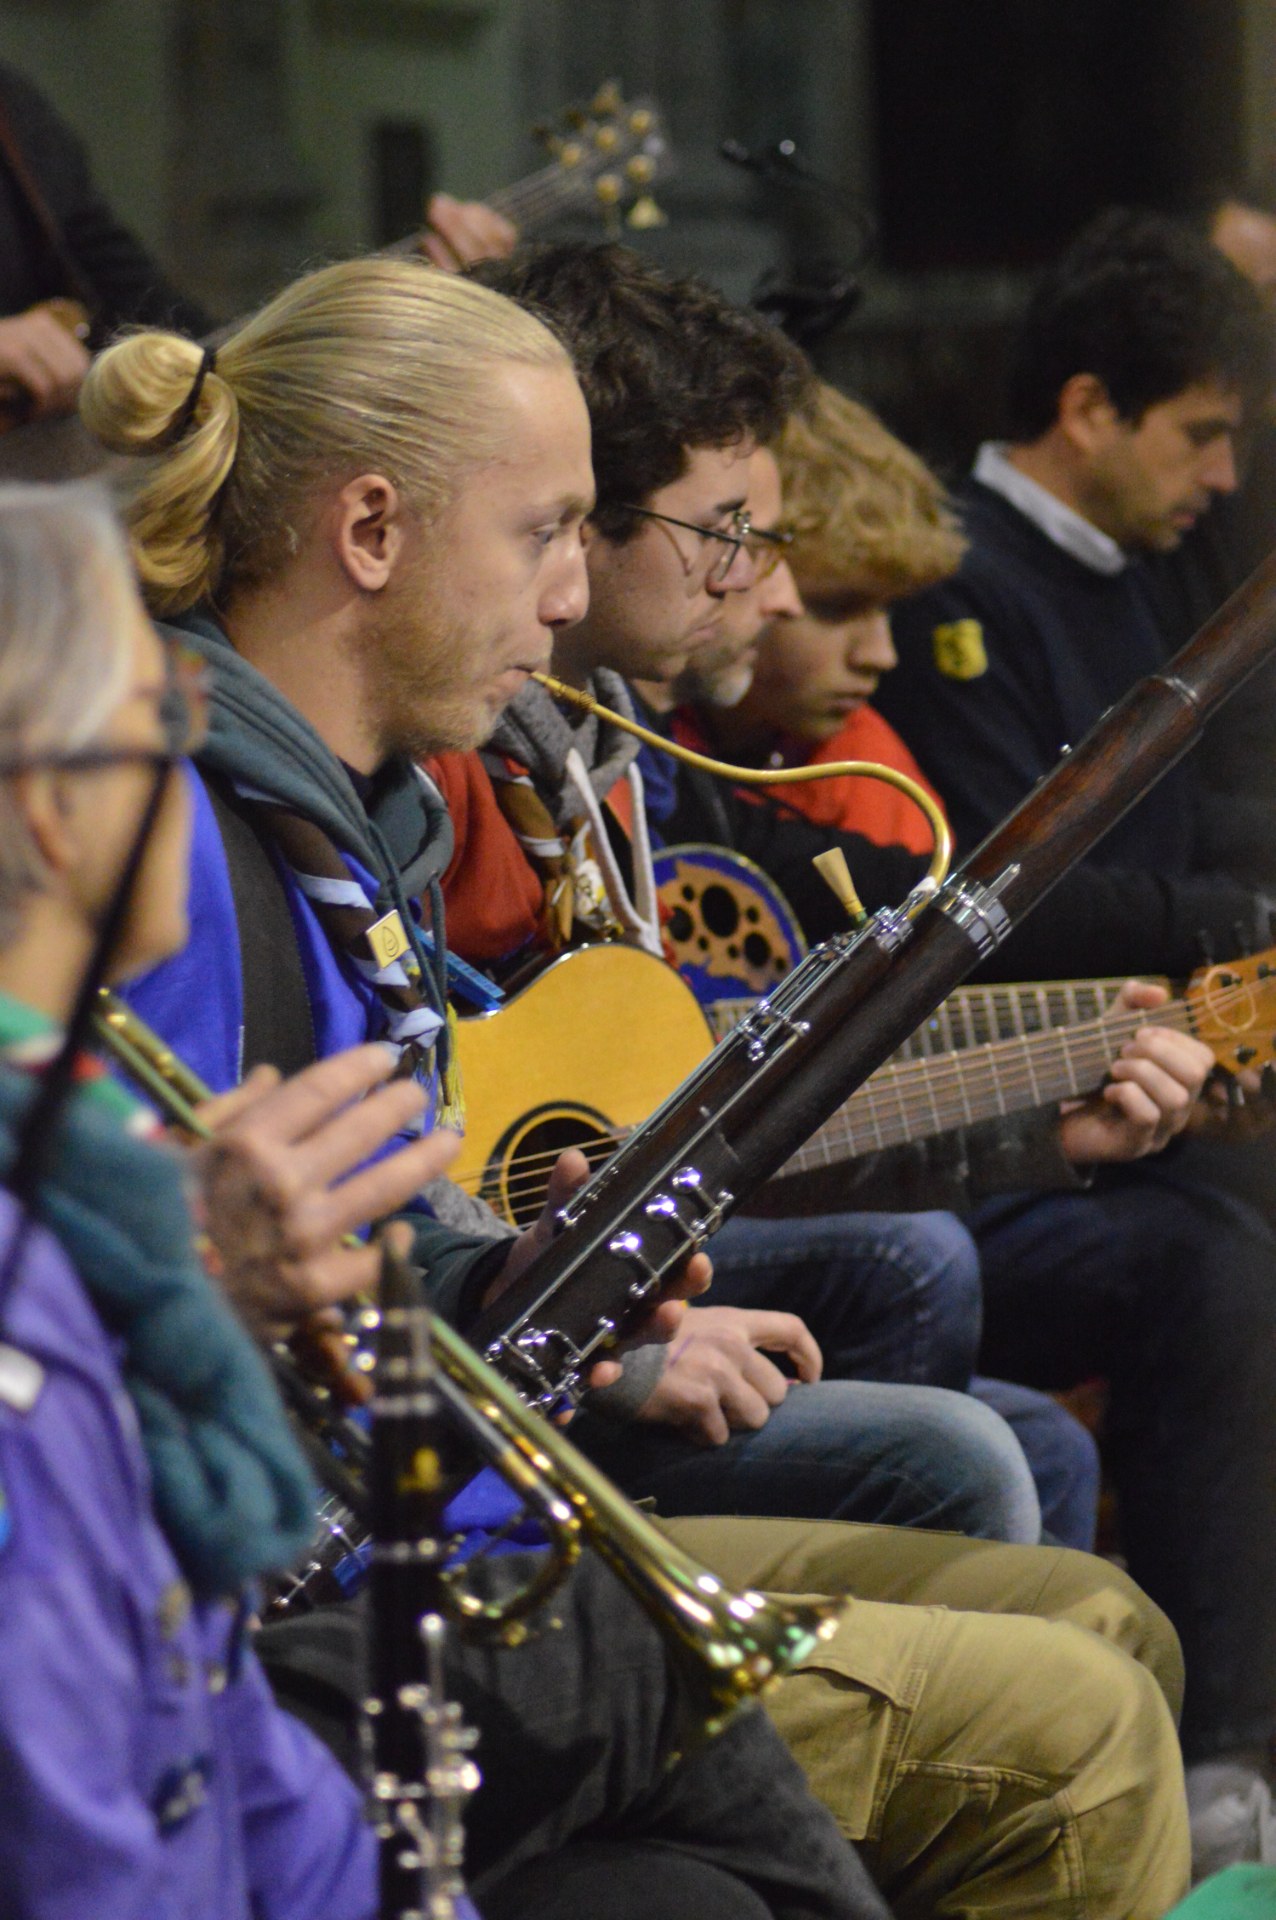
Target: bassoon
<point>836,1018</point>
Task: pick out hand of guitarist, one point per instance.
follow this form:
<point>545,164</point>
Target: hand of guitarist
<point>717,1378</point>
<point>661,1324</point>
<point>1149,1095</point>
<point>459,232</point>
<point>41,365</point>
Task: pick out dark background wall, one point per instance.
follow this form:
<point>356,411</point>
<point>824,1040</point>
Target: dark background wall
<point>246,138</point>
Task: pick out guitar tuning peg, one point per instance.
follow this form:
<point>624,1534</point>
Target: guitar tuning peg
<point>641,121</point>
<point>575,119</point>
<point>607,101</point>
<point>641,170</point>
<point>606,139</point>
<point>645,214</point>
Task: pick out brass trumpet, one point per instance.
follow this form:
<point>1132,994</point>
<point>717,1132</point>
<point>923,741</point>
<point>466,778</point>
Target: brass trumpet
<point>727,1646</point>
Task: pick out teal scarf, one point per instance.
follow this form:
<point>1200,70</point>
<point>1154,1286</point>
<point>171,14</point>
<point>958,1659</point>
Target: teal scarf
<point>231,1492</point>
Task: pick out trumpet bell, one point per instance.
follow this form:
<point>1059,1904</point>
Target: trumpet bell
<point>736,1645</point>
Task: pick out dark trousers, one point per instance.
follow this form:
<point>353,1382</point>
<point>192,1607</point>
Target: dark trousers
<point>578,1815</point>
<point>1168,1288</point>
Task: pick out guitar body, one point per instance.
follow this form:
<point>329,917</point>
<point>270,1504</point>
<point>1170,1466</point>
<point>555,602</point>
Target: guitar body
<point>732,932</point>
<point>587,1051</point>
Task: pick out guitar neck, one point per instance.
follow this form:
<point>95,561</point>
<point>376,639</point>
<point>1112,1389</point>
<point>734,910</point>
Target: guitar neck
<point>973,1016</point>
<point>529,203</point>
<point>916,1098</point>
<point>536,199</point>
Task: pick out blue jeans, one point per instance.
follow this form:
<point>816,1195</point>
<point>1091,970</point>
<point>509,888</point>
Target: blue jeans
<point>893,1297</point>
<point>1168,1288</point>
<point>1063,1457</point>
<point>839,1450</point>
<point>889,1296</point>
<point>898,1297</point>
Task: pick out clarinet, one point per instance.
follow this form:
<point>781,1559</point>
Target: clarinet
<point>420,1773</point>
<point>834,1020</point>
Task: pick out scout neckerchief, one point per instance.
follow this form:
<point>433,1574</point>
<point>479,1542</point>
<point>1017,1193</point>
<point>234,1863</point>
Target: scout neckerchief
<point>551,772</point>
<point>387,950</point>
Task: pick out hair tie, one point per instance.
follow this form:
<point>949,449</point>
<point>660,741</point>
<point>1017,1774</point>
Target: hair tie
<point>186,412</point>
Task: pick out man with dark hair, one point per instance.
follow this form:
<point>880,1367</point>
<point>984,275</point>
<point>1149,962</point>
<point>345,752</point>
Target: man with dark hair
<point>681,385</point>
<point>1140,355</point>
<point>1237,759</point>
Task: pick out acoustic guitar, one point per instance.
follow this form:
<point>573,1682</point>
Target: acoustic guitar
<point>596,1042</point>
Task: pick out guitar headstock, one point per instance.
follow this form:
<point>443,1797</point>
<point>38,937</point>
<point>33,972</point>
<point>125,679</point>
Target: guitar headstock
<point>1233,1010</point>
<point>609,156</point>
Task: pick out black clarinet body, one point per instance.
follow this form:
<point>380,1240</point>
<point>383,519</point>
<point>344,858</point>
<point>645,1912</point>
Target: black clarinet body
<point>420,1773</point>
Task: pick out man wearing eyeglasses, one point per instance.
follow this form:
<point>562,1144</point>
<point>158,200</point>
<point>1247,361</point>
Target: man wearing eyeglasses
<point>681,387</point>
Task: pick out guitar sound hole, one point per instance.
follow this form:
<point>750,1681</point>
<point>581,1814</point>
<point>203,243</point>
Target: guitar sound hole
<point>517,1176</point>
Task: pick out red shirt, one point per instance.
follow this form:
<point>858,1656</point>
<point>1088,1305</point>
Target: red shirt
<point>849,803</point>
<point>493,898</point>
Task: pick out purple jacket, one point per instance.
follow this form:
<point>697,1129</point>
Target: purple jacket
<point>145,1771</point>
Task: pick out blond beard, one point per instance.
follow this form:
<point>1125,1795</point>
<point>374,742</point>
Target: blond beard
<point>411,666</point>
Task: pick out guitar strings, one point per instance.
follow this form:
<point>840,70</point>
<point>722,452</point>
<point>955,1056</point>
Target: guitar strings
<point>964,1063</point>
<point>896,1081</point>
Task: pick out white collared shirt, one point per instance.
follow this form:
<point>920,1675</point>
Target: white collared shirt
<point>1059,522</point>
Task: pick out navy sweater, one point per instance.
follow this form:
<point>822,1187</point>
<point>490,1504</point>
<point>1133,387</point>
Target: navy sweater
<point>1062,642</point>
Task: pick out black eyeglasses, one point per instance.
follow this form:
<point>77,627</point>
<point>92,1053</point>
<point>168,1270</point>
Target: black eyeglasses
<point>768,549</point>
<point>765,550</point>
<point>183,716</point>
<point>732,540</point>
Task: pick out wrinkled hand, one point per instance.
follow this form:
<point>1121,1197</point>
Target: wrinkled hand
<point>459,232</point>
<point>46,360</point>
<point>1149,1095</point>
<point>663,1321</point>
<point>278,1185</point>
<point>717,1378</point>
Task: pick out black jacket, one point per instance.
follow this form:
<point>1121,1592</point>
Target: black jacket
<point>125,283</point>
<point>1046,645</point>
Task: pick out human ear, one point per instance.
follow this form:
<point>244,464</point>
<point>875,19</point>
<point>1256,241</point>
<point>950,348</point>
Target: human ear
<point>1087,417</point>
<point>49,814</point>
<point>367,531</point>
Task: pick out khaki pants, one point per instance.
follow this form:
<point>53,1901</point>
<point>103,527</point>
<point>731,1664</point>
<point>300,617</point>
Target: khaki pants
<point>999,1744</point>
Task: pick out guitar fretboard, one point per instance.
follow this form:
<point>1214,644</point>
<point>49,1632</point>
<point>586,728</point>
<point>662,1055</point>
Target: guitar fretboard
<point>915,1097</point>
<point>974,1016</point>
